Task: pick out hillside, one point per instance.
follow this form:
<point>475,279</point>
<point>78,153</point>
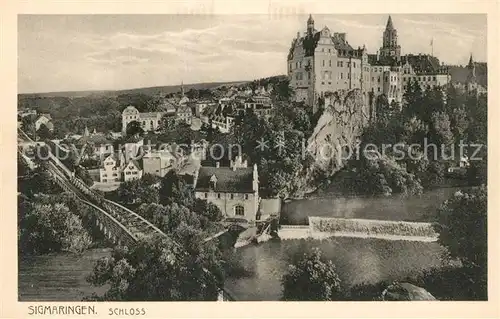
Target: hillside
<point>155,90</point>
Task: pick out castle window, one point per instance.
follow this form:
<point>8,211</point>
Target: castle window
<point>239,210</point>
<point>329,50</point>
<point>341,75</point>
<point>330,63</point>
<point>323,62</point>
<point>348,75</point>
<point>378,80</point>
<point>246,196</point>
<point>379,88</point>
<point>218,195</point>
<point>232,196</point>
<point>206,195</point>
<point>353,64</point>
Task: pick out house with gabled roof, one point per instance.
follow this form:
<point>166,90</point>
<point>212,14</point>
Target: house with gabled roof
<point>234,189</point>
<point>111,168</point>
<point>132,171</point>
<point>45,119</point>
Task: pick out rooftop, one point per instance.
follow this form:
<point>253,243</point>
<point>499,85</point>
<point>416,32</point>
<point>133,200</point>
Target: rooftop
<point>228,180</point>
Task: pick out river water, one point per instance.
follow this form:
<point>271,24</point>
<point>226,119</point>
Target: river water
<point>62,276</point>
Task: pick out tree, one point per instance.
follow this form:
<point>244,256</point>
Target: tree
<point>313,278</point>
<point>134,128</point>
<point>51,227</point>
<point>44,132</point>
<point>139,191</point>
<point>208,210</point>
<point>174,190</point>
<point>463,230</point>
<point>160,269</point>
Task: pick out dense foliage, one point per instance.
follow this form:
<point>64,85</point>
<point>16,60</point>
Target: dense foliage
<point>313,278</point>
<point>416,144</point>
<point>49,225</point>
<point>179,267</point>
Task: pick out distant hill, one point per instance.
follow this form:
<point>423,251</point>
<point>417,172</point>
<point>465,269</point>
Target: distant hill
<point>459,73</point>
<point>155,90</point>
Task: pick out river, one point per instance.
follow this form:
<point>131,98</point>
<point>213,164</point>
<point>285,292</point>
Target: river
<point>62,276</point>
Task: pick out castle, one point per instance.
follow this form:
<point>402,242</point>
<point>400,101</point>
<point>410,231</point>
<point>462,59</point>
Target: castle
<point>322,61</point>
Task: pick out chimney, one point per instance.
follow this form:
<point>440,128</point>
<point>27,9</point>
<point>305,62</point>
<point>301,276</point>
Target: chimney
<point>217,164</point>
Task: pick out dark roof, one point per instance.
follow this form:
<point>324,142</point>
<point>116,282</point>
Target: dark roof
<point>389,25</point>
<point>459,73</point>
<point>423,63</point>
<point>228,181</point>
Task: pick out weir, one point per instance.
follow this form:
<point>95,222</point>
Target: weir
<point>324,227</point>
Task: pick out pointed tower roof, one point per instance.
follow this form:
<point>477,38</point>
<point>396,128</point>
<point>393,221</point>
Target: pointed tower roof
<point>310,20</point>
<point>389,23</point>
<point>471,62</point>
<point>86,132</point>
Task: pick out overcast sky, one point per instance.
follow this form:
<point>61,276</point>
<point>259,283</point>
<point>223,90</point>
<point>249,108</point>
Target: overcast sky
<point>101,52</point>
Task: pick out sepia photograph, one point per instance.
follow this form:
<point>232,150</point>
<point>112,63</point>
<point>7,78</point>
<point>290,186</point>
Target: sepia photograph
<point>251,157</point>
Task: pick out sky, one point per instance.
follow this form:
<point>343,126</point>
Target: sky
<point>113,52</point>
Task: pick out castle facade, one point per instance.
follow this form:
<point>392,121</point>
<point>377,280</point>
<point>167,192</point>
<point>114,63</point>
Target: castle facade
<point>322,61</point>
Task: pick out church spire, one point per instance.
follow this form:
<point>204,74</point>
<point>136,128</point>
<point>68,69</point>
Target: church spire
<point>389,25</point>
<point>182,88</point>
<point>86,132</point>
<point>472,68</point>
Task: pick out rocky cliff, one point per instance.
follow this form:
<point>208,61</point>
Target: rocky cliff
<point>338,129</point>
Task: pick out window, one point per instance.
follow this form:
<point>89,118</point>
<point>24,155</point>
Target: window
<point>330,63</point>
<point>348,75</point>
<point>329,50</point>
<point>341,75</point>
<point>239,210</point>
<point>232,196</point>
<point>206,195</point>
<point>348,64</point>
<point>104,175</point>
<point>379,88</point>
<point>353,64</point>
<point>323,62</point>
<point>434,78</point>
<point>128,173</point>
<point>378,80</point>
<point>246,196</point>
<point>373,79</point>
<point>218,195</point>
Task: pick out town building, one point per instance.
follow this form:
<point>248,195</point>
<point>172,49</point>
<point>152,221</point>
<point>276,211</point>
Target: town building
<point>158,162</point>
<point>132,171</point>
<point>44,119</point>
<point>185,113</point>
<point>112,168</point>
<point>100,145</point>
<point>320,61</point>
<point>234,190</point>
<point>149,121</point>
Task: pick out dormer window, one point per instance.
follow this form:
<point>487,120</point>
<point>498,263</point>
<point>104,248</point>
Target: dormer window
<point>213,182</point>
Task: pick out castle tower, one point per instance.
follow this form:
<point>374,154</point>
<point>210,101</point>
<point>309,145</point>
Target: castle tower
<point>310,25</point>
<point>390,47</point>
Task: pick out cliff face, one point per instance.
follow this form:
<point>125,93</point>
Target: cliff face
<point>338,129</point>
